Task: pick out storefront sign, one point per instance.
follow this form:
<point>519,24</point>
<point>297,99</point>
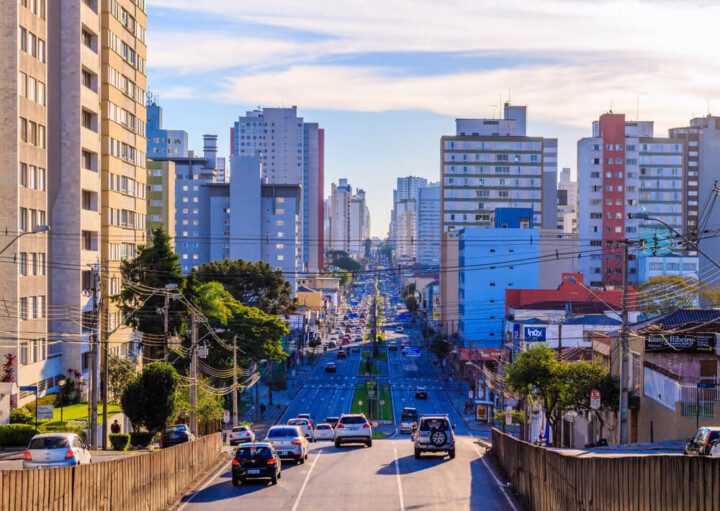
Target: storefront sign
<point>516,338</point>
<point>534,333</point>
<point>676,342</point>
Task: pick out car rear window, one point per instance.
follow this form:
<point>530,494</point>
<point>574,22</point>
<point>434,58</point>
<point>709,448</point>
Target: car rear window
<point>239,429</point>
<point>281,432</point>
<point>429,424</point>
<point>298,422</point>
<point>253,452</point>
<point>409,414</point>
<point>353,420</point>
<point>714,435</point>
<point>49,442</point>
<point>176,429</point>
<point>323,426</point>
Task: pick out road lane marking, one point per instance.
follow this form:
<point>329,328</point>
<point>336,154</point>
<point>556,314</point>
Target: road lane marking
<point>399,481</point>
<point>307,478</point>
<point>497,481</point>
<point>210,479</point>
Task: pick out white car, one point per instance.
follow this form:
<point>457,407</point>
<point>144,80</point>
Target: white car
<point>289,442</point>
<point>305,426</point>
<point>353,428</point>
<point>56,450</point>
<point>324,431</point>
<point>241,435</point>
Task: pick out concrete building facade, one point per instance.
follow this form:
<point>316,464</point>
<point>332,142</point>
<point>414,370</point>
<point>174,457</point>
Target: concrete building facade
<point>427,230</point>
<point>161,197</point>
<point>161,142</point>
<point>567,202</point>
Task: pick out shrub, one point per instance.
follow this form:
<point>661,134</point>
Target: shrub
<point>141,439</point>
<point>45,400</point>
<point>16,435</point>
<point>119,441</point>
<point>21,416</point>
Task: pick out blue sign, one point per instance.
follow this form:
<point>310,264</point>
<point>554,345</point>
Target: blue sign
<point>516,337</point>
<point>534,333</point>
<point>706,385</point>
<point>411,352</point>
<point>28,388</point>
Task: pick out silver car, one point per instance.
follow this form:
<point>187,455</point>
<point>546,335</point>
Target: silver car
<point>324,431</point>
<point>56,450</point>
<point>289,442</point>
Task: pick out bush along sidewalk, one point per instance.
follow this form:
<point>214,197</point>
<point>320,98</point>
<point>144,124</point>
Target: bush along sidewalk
<point>119,441</point>
<point>16,435</point>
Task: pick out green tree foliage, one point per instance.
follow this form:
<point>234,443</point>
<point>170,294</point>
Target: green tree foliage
<point>150,399</point>
<point>411,303</point>
<point>409,289</point>
<point>254,284</point>
<point>664,294</point>
<point>341,259</point>
<point>259,335</point>
<point>121,371</point>
<point>711,296</point>
<point>155,266</point>
<point>209,408</point>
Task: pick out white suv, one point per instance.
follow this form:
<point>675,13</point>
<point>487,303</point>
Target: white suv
<point>353,428</point>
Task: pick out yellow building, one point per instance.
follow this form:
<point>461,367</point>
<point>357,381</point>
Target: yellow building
<point>123,147</point>
<point>309,298</point>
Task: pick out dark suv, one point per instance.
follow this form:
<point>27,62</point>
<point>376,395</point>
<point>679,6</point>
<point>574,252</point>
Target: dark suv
<point>702,441</point>
<point>434,433</point>
<point>255,461</point>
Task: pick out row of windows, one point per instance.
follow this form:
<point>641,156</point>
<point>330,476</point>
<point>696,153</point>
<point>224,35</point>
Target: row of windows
<point>126,51</point>
<point>31,263</point>
<point>126,19</point>
<point>33,351</point>
<point>673,266</point>
<point>32,44</point>
<point>31,88</point>
<point>126,152</point>
<point>32,307</point>
<point>32,132</point>
<point>493,146</point>
<point>125,84</point>
<point>125,118</point>
<point>531,158</point>
<point>120,251</point>
<point>30,218</point>
<point>126,185</point>
<point>36,7</point>
<point>126,218</point>
<point>32,176</point>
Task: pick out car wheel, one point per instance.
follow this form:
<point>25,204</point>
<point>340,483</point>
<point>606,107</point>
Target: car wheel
<point>306,455</point>
<point>273,479</point>
<point>337,443</point>
<point>451,452</point>
<point>417,454</point>
<point>369,443</point>
<point>279,476</point>
<point>235,481</point>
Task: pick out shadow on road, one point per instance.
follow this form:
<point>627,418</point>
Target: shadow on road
<point>223,489</point>
<point>409,465</point>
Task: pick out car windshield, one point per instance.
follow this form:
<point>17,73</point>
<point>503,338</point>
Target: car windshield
<point>324,426</point>
<point>439,424</point>
<point>176,429</point>
<point>253,452</point>
<point>282,432</point>
<point>714,435</point>
<point>298,422</point>
<point>409,414</point>
<point>49,442</point>
<point>352,420</point>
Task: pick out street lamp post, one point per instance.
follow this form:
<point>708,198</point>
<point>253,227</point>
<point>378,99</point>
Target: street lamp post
<point>62,383</point>
<point>36,229</point>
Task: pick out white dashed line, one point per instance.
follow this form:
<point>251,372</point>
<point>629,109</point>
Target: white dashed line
<point>307,478</point>
<point>399,481</point>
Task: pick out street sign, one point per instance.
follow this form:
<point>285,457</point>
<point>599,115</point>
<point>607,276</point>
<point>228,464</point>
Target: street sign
<point>595,399</point>
<point>411,352</point>
<point>382,402</point>
<point>45,412</point>
<point>471,394</point>
<point>28,388</point>
<point>359,403</point>
<point>706,385</point>
<point>226,416</point>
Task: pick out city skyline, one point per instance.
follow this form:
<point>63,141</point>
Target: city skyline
<point>393,80</point>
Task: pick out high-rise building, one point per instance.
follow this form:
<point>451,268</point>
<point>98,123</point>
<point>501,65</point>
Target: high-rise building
<point>24,160</point>
<point>567,195</point>
<point>291,152</point>
<point>161,197</point>
<point>489,164</point>
<point>702,173</point>
<point>624,169</point>
<point>123,149</point>
<point>74,148</point>
<point>359,223</point>
<point>161,142</point>
<point>349,219</point>
<point>405,189</point>
<point>427,231</point>
<point>405,235</point>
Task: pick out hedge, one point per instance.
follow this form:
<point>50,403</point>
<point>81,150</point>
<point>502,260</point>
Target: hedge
<point>119,441</point>
<point>63,429</point>
<point>16,435</point>
<point>141,439</point>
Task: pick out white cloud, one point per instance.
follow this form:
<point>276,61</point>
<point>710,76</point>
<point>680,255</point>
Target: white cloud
<point>176,93</point>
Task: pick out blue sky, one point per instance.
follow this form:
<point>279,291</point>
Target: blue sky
<point>386,79</point>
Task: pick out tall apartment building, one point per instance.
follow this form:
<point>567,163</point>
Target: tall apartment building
<point>291,152</point>
<point>567,204</point>
<point>427,230</point>
<point>24,160</point>
<point>624,169</point>
<point>349,219</point>
<point>123,149</point>
<point>161,197</point>
<point>359,223</point>
<point>702,173</point>
<point>405,189</point>
<point>489,164</point>
<point>74,180</point>
<point>162,142</point>
<point>405,229</point>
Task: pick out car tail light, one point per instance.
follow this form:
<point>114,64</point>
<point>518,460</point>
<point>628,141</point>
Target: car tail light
<point>27,456</point>
<point>69,454</point>
<point>296,442</point>
<point>339,426</point>
<point>366,425</point>
<point>235,461</point>
<point>271,461</point>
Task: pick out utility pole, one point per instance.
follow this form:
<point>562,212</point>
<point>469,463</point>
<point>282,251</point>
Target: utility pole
<point>235,385</point>
<point>560,340</point>
<point>193,373</point>
<point>104,341</point>
<point>624,351</point>
<point>95,358</point>
<point>166,323</point>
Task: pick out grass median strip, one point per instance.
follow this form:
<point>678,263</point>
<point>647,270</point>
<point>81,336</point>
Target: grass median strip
<point>363,395</point>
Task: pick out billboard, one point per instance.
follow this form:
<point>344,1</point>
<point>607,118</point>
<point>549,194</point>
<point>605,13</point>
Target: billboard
<point>680,342</point>
<point>534,333</point>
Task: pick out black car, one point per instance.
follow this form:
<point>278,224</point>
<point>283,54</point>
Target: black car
<point>330,367</point>
<point>702,441</point>
<point>332,421</point>
<point>341,354</point>
<point>174,435</point>
<point>421,393</point>
<point>255,461</point>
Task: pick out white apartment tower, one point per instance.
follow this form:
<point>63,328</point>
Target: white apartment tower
<point>567,202</point>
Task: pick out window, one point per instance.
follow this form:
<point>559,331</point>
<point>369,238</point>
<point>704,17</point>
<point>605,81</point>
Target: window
<point>23,266</point>
<point>23,308</point>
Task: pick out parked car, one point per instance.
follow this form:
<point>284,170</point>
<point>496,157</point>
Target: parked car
<point>392,346</point>
<point>324,431</point>
<point>254,461</point>
<point>241,435</point>
<point>341,354</point>
<point>399,329</point>
<point>289,442</point>
<point>702,441</point>
<point>408,419</point>
<point>332,421</point>
<point>305,426</point>
<point>421,393</point>
<point>330,367</point>
<point>353,428</point>
<point>332,344</point>
<point>56,450</point>
<point>355,349</point>
<point>434,433</point>
<point>177,434</point>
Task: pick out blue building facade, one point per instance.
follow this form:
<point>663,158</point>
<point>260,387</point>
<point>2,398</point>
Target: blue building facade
<point>490,261</point>
<point>163,143</point>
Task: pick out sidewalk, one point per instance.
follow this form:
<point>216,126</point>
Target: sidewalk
<point>458,395</point>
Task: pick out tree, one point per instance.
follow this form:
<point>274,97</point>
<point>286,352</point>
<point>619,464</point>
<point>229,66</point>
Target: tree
<point>664,294</point>
<point>259,335</point>
<point>409,289</point>
<point>341,259</point>
<point>411,303</point>
<point>121,370</point>
<point>8,369</point>
<point>582,378</point>
<point>536,373</point>
<point>150,399</point>
<point>155,267</point>
<point>209,407</point>
<point>711,296</point>
<point>254,284</point>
